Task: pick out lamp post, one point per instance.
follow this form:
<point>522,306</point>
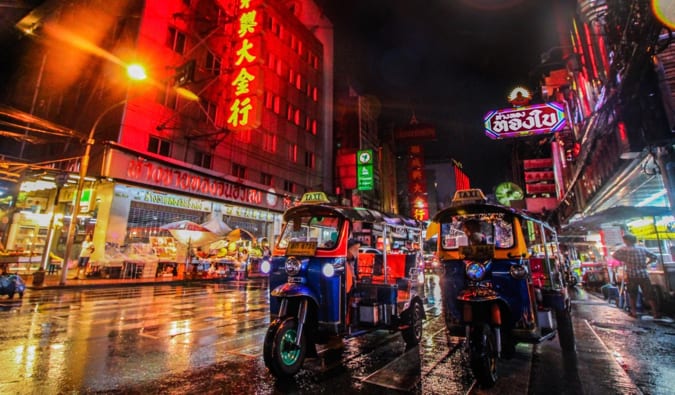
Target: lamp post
<point>84,165</point>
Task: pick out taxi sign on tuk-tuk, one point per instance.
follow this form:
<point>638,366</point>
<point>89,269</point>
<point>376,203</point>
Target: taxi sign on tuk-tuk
<point>314,198</point>
<point>466,196</point>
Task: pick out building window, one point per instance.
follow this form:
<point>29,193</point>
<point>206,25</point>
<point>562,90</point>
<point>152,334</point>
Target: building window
<point>269,100</point>
<point>159,146</point>
<point>209,110</point>
<point>266,179</point>
<point>280,68</point>
<point>277,104</point>
<point>314,126</point>
<point>310,160</point>
<point>212,63</point>
<point>293,153</point>
<point>297,117</point>
<point>238,171</point>
<point>269,142</point>
<point>291,75</point>
<point>315,94</point>
<point>203,159</point>
<point>168,97</point>
<point>176,40</point>
<point>298,81</point>
<point>289,112</point>
<point>290,186</point>
<point>244,136</point>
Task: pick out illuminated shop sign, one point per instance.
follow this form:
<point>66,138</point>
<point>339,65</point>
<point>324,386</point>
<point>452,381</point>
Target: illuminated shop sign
<point>524,121</point>
<point>243,109</point>
<point>124,166</point>
<point>364,170</point>
<point>169,200</point>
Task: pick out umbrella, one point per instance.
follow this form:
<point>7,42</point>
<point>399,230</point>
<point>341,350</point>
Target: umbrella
<point>216,225</point>
<point>240,234</point>
<point>190,233</point>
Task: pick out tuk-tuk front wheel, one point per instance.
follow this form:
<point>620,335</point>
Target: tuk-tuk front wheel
<point>412,334</point>
<point>281,354</point>
<point>483,355</point>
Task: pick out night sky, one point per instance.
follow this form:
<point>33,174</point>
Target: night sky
<point>449,62</point>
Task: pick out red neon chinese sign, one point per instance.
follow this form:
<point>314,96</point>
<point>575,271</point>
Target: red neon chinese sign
<point>243,108</point>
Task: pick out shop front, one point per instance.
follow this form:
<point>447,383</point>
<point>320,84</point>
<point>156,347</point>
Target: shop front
<point>143,195</point>
<point>127,211</point>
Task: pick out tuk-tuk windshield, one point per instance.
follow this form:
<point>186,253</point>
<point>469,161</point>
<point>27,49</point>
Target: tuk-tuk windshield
<point>322,230</point>
<point>478,229</point>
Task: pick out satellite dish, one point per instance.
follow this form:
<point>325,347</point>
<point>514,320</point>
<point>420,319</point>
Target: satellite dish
<point>507,191</point>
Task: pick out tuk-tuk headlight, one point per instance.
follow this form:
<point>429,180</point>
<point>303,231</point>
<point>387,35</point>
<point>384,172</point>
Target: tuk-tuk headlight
<point>265,266</point>
<point>328,270</point>
<point>518,271</point>
<point>292,266</point>
<point>475,271</point>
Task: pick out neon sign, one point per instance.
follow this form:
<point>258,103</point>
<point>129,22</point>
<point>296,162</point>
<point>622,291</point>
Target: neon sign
<point>243,110</point>
<point>525,121</point>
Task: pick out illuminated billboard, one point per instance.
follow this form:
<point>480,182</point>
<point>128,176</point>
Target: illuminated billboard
<point>525,121</point>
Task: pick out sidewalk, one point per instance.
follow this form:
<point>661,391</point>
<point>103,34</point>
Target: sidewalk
<point>53,281</point>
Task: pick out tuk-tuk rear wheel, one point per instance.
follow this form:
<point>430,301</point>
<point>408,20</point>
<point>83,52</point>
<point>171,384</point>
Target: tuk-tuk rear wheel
<point>565,329</point>
<point>282,356</point>
<point>412,335</point>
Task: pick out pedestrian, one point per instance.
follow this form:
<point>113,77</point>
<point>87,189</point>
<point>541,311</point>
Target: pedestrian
<point>636,258</point>
<point>85,254</point>
<point>353,246</point>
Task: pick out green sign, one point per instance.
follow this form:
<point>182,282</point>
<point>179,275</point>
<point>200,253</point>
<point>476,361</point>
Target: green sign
<point>364,170</point>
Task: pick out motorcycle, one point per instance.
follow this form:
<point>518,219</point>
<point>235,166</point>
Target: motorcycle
<point>315,297</point>
<point>502,287</point>
<point>11,284</point>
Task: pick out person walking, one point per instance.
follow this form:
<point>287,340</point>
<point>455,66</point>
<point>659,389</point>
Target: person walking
<point>636,258</point>
<point>85,254</point>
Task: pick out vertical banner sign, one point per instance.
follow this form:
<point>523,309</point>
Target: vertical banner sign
<point>243,106</point>
<point>364,170</point>
<point>417,183</point>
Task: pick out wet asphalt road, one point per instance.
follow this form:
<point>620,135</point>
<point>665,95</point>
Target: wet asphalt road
<point>207,338</point>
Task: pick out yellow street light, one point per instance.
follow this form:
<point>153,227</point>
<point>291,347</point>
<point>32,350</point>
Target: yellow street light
<point>136,72</point>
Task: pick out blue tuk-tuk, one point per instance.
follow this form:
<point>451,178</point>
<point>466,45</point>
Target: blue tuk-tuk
<point>502,280</point>
<point>313,297</point>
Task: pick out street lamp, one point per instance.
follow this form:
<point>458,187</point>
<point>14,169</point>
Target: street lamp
<point>134,72</point>
<point>84,165</point>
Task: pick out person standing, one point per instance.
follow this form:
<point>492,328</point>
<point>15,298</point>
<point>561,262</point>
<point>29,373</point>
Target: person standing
<point>636,258</point>
<point>353,246</point>
<point>85,254</point>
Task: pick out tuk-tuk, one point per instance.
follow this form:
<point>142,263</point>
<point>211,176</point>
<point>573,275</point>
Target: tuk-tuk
<point>313,298</point>
<point>502,280</point>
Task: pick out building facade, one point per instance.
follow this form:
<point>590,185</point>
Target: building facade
<point>235,120</point>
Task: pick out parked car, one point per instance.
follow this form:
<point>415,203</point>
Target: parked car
<point>11,284</point>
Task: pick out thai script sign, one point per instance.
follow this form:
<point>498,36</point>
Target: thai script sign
<point>123,166</point>
<point>525,121</point>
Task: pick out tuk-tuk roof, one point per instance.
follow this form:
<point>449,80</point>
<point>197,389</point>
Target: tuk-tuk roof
<point>352,214</point>
<point>478,208</point>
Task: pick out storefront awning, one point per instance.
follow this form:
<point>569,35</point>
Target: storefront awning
<point>615,215</point>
